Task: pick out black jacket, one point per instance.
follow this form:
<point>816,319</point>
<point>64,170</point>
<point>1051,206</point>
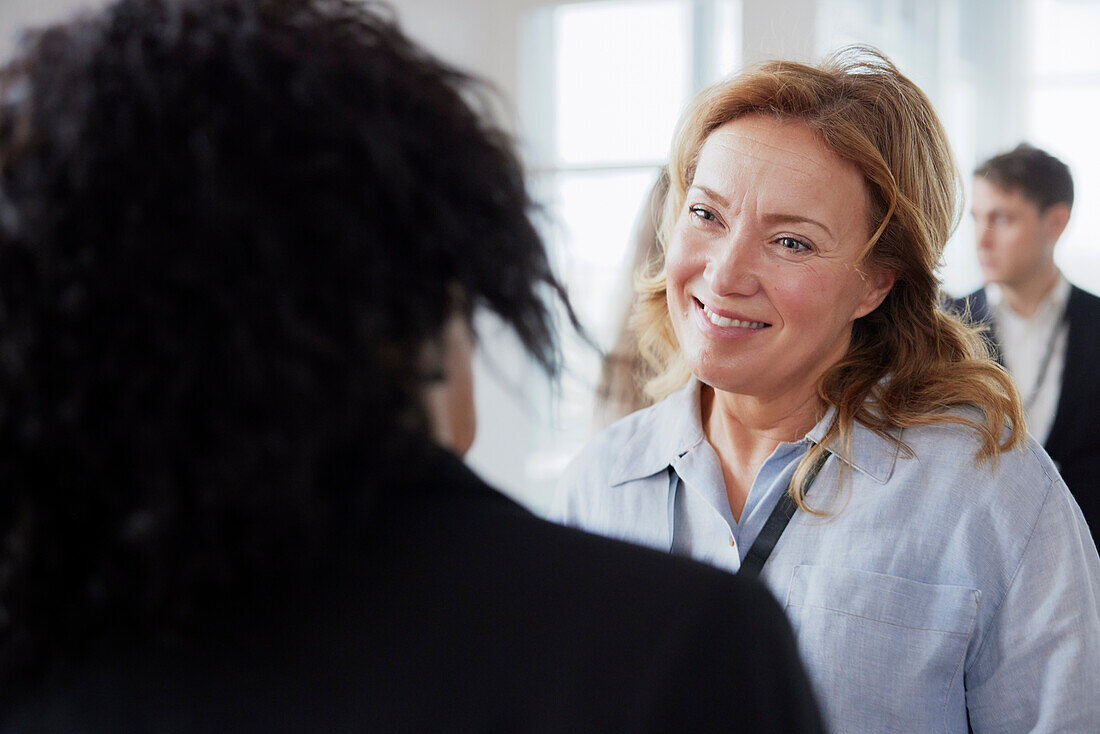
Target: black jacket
<point>464,612</point>
<point>1074,440</point>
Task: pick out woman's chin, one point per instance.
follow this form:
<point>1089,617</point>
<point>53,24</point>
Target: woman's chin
<point>723,381</point>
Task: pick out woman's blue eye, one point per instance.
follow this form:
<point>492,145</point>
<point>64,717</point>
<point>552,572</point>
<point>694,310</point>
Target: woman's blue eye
<point>791,243</point>
<point>702,213</point>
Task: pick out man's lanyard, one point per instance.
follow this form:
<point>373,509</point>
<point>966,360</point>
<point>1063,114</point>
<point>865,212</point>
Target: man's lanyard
<point>1059,327</point>
<point>777,523</point>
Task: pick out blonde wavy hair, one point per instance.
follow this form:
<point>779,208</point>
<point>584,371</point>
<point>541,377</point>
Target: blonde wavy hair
<point>862,108</point>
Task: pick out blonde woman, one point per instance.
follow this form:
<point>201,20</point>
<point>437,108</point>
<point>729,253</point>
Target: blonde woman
<point>822,422</point>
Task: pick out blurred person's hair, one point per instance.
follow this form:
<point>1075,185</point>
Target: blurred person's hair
<point>908,360</point>
<point>1040,177</point>
<point>624,373</point>
<point>230,232</point>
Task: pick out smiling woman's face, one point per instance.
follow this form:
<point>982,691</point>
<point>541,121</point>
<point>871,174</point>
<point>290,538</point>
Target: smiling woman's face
<point>764,279</point>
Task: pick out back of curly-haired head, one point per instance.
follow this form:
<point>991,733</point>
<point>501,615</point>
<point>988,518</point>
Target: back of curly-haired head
<point>861,107</point>
<point>228,230</point>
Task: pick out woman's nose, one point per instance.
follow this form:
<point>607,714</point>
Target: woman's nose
<point>733,267</point>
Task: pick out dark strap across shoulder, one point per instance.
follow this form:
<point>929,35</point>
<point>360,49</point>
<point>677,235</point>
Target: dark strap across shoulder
<point>777,522</point>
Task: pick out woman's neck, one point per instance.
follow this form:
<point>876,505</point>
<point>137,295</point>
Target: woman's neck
<point>745,430</point>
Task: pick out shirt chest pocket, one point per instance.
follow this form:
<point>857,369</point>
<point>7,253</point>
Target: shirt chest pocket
<point>886,653</point>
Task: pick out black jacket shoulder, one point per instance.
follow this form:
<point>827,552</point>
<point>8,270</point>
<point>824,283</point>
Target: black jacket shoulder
<point>465,612</point>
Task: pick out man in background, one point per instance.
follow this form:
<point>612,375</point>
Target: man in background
<point>1044,330</point>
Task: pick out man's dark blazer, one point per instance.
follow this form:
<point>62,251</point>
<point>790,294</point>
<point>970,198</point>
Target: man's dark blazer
<point>1074,440</point>
<point>464,612</point>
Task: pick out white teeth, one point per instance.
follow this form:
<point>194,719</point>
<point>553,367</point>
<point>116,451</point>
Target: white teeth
<point>723,321</point>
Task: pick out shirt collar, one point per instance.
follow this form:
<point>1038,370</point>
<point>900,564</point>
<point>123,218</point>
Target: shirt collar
<point>1054,301</point>
<point>871,454</point>
<point>668,430</point>
<point>674,426</point>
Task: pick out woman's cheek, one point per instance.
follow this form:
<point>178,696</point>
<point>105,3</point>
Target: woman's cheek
<point>682,263</point>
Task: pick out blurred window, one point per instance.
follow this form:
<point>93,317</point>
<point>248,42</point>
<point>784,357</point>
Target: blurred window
<point>1063,99</point>
<point>998,72</point>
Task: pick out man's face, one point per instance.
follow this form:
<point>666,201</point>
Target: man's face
<point>1015,240</point>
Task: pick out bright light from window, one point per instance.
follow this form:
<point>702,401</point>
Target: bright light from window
<point>1064,38</point>
<point>597,211</point>
<point>622,72</point>
<point>1065,93</point>
<point>1072,138</point>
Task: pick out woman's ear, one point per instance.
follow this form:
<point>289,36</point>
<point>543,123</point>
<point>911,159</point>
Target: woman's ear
<point>878,283</point>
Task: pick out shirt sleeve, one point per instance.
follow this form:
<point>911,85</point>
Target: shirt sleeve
<point>1037,669</point>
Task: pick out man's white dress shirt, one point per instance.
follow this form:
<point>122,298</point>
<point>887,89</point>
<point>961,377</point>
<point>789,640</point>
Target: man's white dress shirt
<point>1026,343</point>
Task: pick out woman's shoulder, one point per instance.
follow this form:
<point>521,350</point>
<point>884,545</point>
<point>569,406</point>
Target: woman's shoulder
<point>945,458</point>
<point>642,443</point>
<point>601,456</point>
<point>972,518</point>
<point>634,451</point>
<point>957,437</point>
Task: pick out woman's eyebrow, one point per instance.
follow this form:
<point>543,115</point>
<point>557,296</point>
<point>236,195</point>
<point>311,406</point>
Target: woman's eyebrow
<point>777,218</point>
<point>780,218</point>
<point>711,193</point>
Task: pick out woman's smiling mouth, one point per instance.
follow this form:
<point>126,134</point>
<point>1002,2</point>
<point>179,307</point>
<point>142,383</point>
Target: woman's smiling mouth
<point>723,321</point>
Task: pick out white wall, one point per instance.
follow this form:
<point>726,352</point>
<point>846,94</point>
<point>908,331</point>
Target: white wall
<point>460,31</point>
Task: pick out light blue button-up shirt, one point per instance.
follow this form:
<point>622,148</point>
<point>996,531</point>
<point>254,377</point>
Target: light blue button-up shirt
<point>933,588</point>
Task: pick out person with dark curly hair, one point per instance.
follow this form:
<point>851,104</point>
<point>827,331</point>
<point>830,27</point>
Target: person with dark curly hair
<point>241,244</point>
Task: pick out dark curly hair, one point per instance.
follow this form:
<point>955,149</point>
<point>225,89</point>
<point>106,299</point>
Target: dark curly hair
<point>228,230</point>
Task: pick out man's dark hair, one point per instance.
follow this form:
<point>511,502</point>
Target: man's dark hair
<point>1040,177</point>
<point>228,230</point>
